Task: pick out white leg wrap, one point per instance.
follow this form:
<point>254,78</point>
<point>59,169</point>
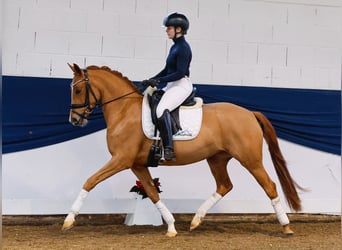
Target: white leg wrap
<point>171,228</point>
<point>209,203</point>
<point>278,209</point>
<point>75,208</point>
<point>166,214</point>
<point>70,217</point>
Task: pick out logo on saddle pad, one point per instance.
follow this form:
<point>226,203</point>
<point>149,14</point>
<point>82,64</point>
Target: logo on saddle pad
<point>190,118</point>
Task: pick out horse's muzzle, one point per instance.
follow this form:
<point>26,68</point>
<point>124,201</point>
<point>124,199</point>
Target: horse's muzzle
<point>77,120</point>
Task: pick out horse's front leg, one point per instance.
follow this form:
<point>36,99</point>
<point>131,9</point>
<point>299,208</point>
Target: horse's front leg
<point>145,178</point>
<point>111,168</point>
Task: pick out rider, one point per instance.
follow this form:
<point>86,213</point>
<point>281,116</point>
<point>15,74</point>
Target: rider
<point>176,75</point>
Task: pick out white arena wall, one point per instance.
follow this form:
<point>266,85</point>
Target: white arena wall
<point>274,43</point>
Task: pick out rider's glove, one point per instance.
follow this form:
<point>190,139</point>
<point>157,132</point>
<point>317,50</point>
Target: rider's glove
<point>150,82</point>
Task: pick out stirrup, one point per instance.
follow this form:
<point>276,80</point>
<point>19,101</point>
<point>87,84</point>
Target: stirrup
<point>169,155</point>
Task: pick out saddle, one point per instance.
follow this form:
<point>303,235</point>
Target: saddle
<point>186,121</point>
<point>154,100</point>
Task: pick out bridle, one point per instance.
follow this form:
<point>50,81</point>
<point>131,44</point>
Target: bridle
<point>89,91</point>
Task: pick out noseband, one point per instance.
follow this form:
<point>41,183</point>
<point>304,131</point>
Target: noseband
<point>89,91</point>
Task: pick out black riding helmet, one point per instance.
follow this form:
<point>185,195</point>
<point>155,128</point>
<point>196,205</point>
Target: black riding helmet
<point>177,20</point>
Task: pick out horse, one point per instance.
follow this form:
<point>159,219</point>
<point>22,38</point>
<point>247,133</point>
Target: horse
<point>227,131</point>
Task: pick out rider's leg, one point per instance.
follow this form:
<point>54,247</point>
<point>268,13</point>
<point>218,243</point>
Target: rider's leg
<point>174,96</point>
<point>164,124</point>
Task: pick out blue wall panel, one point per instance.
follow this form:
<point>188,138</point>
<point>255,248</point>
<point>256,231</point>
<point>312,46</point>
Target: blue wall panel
<point>36,110</point>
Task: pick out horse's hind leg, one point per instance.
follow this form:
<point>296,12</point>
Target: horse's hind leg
<point>145,178</point>
<point>218,166</point>
<point>260,174</point>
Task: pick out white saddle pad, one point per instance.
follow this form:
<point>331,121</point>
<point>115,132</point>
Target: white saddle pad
<point>190,119</point>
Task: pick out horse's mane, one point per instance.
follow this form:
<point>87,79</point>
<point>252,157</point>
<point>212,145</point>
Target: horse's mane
<point>114,72</point>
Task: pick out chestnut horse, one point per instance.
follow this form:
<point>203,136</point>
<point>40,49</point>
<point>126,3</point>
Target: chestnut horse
<point>228,131</point>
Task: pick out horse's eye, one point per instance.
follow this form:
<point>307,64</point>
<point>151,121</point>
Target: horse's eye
<point>78,91</point>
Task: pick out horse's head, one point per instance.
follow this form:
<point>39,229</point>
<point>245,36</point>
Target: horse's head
<point>83,99</point>
<point>88,94</point>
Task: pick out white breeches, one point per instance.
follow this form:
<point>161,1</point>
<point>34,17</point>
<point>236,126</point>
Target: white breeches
<point>175,94</point>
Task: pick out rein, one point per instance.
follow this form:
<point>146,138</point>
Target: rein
<point>117,98</point>
<point>86,103</point>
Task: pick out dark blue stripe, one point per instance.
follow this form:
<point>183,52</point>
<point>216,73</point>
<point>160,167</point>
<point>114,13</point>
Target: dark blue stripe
<point>307,117</point>
<point>36,110</point>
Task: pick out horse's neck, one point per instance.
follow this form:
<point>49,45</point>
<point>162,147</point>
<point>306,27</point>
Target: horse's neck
<point>113,88</point>
<point>120,98</point>
<point>124,111</point>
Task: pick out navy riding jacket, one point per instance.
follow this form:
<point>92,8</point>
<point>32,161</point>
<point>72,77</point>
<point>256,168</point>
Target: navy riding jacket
<point>177,63</point>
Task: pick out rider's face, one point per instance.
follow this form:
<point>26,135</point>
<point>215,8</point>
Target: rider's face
<point>170,31</point>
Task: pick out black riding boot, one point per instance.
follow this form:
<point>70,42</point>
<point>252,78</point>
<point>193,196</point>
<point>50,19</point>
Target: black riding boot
<point>164,123</point>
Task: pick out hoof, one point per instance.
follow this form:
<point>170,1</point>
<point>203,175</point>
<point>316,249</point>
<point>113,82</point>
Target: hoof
<point>287,230</point>
<point>171,234</point>
<point>68,225</point>
<point>196,221</point>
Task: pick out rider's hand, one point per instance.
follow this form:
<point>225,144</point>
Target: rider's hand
<point>150,82</point>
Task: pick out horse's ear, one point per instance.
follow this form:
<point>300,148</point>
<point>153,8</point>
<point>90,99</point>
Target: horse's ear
<point>71,67</point>
<point>75,68</point>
